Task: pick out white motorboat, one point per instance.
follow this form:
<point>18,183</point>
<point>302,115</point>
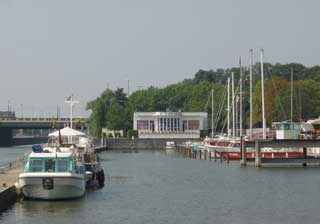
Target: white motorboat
<point>170,145</point>
<point>53,174</point>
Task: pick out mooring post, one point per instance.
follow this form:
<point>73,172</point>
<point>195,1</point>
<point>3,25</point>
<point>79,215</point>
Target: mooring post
<point>243,161</point>
<point>258,153</point>
<point>210,156</point>
<point>200,153</point>
<point>205,154</point>
<point>220,153</point>
<point>228,157</point>
<point>304,155</point>
<point>215,155</point>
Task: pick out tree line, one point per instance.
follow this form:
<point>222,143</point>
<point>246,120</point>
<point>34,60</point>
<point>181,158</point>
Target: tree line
<point>113,109</point>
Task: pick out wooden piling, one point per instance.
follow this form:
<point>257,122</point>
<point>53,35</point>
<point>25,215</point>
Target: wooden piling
<point>304,155</point>
<point>243,161</point>
<point>210,156</point>
<point>258,154</point>
<point>228,157</point>
<point>205,154</point>
<point>220,153</point>
<point>200,153</point>
<point>215,155</point>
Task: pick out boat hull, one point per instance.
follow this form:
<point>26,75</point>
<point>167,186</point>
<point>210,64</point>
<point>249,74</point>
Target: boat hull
<point>52,187</point>
<point>236,155</point>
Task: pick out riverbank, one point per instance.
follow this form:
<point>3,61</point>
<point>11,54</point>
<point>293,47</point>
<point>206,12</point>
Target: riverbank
<point>9,193</point>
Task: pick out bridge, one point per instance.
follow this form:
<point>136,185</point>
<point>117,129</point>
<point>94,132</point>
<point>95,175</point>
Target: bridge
<point>7,125</point>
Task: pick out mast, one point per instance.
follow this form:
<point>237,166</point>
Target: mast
<point>212,113</point>
<point>71,102</point>
<point>228,108</point>
<point>262,97</point>
<point>251,105</point>
<point>240,125</point>
<point>233,107</point>
<point>291,94</point>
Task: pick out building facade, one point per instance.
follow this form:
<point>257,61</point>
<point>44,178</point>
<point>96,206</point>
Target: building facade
<point>169,124</point>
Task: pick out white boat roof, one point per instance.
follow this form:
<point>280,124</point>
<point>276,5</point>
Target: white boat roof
<point>50,154</point>
<point>67,132</point>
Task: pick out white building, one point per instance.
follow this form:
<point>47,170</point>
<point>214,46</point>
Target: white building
<point>169,124</point>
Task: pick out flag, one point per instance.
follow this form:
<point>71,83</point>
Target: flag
<point>59,138</point>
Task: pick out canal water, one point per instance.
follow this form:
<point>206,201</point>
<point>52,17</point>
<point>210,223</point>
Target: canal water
<point>153,187</point>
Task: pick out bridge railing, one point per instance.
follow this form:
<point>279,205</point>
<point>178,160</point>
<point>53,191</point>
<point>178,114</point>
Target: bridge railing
<point>41,119</point>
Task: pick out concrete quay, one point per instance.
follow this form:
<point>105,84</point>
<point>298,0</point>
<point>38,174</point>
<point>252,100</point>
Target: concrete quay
<point>9,190</point>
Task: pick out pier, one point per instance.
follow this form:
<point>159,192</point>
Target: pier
<point>258,145</point>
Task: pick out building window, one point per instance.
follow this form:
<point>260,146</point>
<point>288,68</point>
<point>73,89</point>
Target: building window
<point>151,122</point>
<point>142,124</point>
<point>185,125</point>
<point>193,125</point>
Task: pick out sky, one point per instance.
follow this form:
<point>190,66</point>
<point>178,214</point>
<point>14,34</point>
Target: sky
<point>52,49</point>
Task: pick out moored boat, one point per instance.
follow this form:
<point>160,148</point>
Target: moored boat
<point>52,174</point>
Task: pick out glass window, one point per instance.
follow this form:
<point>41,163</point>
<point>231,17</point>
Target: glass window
<point>36,165</point>
<point>62,165</point>
<point>49,165</point>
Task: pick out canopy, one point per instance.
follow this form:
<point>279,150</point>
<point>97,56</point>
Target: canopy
<point>67,132</point>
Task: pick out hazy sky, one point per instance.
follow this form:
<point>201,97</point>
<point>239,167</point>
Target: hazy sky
<point>50,49</point>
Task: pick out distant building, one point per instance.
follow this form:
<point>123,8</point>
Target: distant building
<point>169,124</point>
<point>7,114</point>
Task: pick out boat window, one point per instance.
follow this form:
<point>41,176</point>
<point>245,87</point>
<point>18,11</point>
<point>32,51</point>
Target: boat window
<point>36,165</point>
<point>62,165</point>
<point>49,165</point>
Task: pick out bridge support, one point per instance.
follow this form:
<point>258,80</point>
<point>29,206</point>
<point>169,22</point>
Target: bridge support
<point>5,137</point>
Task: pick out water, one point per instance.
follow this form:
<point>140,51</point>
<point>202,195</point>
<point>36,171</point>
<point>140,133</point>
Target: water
<point>10,154</point>
<point>152,187</point>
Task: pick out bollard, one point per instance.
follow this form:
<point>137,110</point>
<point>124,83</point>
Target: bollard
<point>220,157</point>
<point>210,156</point>
<point>205,154</point>
<point>200,153</point>
<point>215,155</point>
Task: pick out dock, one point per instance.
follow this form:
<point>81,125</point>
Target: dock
<point>9,190</point>
<point>276,144</point>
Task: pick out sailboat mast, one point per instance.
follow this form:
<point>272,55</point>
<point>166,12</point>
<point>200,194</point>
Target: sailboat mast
<point>228,116</point>
<point>291,94</point>
<point>240,125</point>
<point>233,106</point>
<point>251,105</point>
<point>262,97</point>
<point>212,113</point>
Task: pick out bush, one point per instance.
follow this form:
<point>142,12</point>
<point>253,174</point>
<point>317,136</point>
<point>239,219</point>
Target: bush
<point>133,133</point>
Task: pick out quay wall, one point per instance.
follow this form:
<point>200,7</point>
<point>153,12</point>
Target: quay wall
<point>8,197</point>
<point>28,140</point>
<point>119,143</point>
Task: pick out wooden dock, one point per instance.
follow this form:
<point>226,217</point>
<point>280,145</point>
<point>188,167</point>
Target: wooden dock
<point>275,144</point>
